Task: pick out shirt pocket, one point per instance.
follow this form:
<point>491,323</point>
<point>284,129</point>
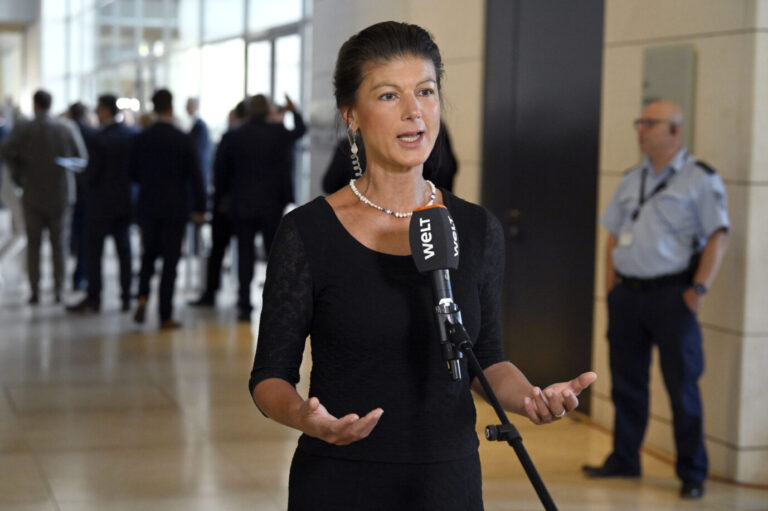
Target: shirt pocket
<point>675,210</point>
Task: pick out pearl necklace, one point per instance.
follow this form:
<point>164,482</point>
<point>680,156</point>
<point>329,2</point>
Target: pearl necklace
<point>397,214</point>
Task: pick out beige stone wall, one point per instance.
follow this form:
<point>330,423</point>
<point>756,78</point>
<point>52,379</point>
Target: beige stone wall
<point>458,28</point>
<point>730,124</point>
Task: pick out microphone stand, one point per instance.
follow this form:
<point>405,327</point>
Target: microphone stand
<point>455,341</point>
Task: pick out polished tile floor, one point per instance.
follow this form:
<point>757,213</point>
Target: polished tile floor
<point>99,414</point>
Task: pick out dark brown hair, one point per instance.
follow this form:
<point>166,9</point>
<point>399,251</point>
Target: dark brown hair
<point>380,43</point>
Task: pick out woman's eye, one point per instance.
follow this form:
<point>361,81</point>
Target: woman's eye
<point>388,96</point>
<point>426,92</point>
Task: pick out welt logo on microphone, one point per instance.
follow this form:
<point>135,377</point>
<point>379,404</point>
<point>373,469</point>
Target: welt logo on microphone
<point>434,240</point>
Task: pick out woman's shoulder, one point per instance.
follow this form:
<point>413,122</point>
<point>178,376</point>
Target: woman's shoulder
<point>310,218</point>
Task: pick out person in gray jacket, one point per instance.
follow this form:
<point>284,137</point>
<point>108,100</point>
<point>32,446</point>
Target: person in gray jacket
<point>41,154</point>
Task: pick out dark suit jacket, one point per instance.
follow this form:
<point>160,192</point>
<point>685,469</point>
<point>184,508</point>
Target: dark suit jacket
<point>165,165</point>
<point>199,134</point>
<point>252,167</point>
<point>89,134</point>
<point>109,173</point>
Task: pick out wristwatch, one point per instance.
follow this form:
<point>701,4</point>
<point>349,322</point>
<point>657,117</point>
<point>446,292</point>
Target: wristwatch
<point>699,288</point>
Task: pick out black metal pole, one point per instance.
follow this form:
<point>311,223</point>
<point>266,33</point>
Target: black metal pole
<point>507,430</point>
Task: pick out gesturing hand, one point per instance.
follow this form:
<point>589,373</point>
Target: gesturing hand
<point>543,407</point>
<point>320,424</point>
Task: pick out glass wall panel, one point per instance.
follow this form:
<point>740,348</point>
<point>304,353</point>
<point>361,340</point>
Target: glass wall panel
<point>184,78</point>
<point>74,6</point>
<point>223,18</point>
<point>126,80</point>
<point>260,68</point>
<point>153,38</point>
<point>155,9</point>
<point>263,14</point>
<point>126,8</point>
<point>126,43</point>
<point>222,82</point>
<point>188,24</point>
<point>54,48</point>
<point>75,51</point>
<point>287,68</point>
<point>106,44</point>
<point>53,9</point>
<point>58,89</point>
<point>89,41</point>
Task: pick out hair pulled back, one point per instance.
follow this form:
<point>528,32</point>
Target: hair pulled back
<point>380,43</point>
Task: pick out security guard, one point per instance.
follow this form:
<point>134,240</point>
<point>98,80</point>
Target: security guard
<point>668,225</point>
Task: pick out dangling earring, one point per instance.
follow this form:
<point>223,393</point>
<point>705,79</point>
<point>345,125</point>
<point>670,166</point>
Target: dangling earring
<point>351,136</point>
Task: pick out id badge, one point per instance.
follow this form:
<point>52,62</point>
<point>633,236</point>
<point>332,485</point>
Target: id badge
<point>625,239</point>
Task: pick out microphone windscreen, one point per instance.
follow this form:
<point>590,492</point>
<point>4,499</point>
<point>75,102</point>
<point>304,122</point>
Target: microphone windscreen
<point>433,238</point>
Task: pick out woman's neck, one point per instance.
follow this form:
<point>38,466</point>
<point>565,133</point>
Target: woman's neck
<point>398,190</point>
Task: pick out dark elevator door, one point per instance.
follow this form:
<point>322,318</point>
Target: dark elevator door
<point>540,160</point>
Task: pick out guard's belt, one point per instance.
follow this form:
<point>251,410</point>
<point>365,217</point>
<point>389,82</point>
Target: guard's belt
<point>676,279</point>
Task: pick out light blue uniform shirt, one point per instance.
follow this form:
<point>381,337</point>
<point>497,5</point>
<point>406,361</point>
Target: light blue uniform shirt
<point>671,225</point>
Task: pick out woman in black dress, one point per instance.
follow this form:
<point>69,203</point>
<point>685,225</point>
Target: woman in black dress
<point>385,427</point>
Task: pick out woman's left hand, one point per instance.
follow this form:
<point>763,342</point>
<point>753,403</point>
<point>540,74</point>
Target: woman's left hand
<point>552,403</point>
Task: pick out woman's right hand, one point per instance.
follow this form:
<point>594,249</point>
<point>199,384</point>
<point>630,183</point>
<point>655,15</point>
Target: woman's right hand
<point>318,423</point>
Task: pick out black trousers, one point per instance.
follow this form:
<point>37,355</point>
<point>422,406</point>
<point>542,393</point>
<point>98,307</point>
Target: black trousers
<point>161,238</point>
<point>221,234</point>
<point>318,484</point>
<point>638,320</point>
<point>98,230</point>
<point>78,241</point>
<point>246,229</point>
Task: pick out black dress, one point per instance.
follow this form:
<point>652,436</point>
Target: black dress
<point>375,344</point>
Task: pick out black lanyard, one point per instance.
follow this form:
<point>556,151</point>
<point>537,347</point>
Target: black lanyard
<point>643,200</point>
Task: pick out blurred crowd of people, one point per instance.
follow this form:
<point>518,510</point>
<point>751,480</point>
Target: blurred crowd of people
<point>83,177</point>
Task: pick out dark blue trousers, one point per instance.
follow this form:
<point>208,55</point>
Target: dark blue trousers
<point>161,238</point>
<point>638,320</point>
<point>99,227</point>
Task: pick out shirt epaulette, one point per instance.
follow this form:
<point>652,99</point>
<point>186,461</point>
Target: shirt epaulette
<point>705,167</point>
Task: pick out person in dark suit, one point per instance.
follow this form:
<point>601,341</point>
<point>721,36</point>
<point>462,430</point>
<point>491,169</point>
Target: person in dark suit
<point>250,172</point>
<point>221,222</point>
<point>199,134</point>
<point>108,182</point>
<point>165,165</point>
<point>78,234</point>
<point>41,155</point>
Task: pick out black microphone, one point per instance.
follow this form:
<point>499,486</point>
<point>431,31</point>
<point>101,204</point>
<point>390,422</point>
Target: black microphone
<point>435,249</point>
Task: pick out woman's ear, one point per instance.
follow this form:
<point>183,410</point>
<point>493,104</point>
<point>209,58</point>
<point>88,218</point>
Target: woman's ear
<point>349,119</point>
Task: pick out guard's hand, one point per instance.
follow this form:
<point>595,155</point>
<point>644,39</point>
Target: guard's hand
<point>318,423</point>
<point>552,403</point>
<point>692,300</point>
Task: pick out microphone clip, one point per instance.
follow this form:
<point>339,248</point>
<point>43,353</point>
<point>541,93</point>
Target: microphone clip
<point>454,338</point>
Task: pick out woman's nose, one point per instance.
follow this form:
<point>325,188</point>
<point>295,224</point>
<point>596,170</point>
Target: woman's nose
<point>411,108</point>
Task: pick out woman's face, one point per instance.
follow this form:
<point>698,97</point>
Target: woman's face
<point>397,111</point>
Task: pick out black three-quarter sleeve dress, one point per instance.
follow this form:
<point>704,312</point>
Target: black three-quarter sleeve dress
<point>375,344</point>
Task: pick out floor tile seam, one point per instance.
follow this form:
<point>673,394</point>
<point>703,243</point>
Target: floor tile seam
<point>9,400</point>
<point>44,476</point>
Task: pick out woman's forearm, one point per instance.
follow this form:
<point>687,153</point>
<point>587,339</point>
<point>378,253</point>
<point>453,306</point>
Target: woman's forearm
<point>279,401</point>
<point>509,384</point>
